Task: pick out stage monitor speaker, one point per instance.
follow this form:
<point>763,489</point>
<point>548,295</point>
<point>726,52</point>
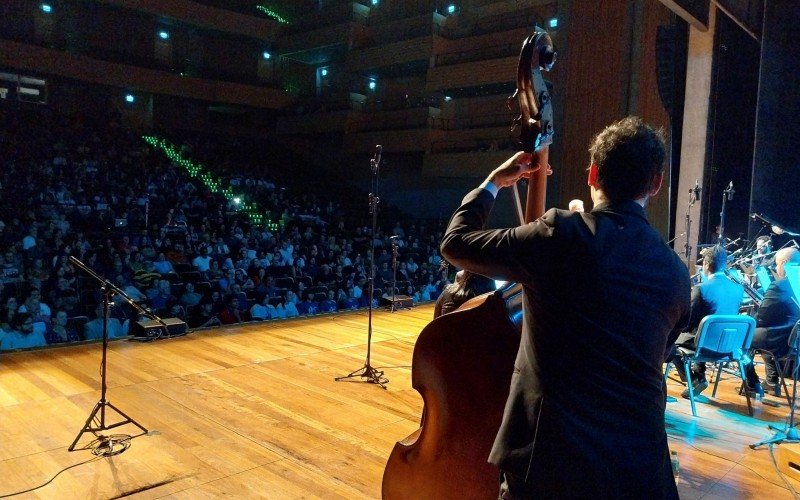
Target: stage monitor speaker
<point>151,329</point>
<point>789,460</point>
<point>400,301</point>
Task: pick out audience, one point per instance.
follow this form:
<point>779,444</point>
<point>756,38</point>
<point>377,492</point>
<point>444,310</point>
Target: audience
<point>90,188</point>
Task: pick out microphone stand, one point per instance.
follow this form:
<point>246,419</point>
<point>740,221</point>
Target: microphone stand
<point>693,194</point>
<point>367,371</point>
<point>727,195</point>
<point>107,444</point>
<point>394,271</point>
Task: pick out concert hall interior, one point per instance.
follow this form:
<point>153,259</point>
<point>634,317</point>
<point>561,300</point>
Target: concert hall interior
<point>289,248</point>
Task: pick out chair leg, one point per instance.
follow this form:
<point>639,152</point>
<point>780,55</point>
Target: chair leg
<point>744,387</point>
<point>667,369</point>
<point>782,380</point>
<point>718,370</point>
<point>687,370</point>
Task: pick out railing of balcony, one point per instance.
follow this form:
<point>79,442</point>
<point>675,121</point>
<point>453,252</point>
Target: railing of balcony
<point>186,67</point>
<point>479,54</point>
<point>472,122</point>
<point>474,145</point>
<point>386,34</point>
<point>530,17</point>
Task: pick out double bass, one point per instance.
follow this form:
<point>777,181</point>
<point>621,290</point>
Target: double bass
<point>463,361</point>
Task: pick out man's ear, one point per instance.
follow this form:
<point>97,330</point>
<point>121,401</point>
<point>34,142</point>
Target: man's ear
<point>655,187</point>
<point>592,179</point>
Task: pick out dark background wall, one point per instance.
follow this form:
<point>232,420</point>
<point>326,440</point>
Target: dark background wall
<point>731,126</point>
<point>776,161</point>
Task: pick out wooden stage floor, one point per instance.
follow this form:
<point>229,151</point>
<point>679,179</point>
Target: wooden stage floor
<point>254,411</point>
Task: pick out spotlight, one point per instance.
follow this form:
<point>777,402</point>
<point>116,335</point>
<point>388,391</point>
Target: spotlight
<point>324,72</point>
<point>553,22</point>
<point>372,85</point>
<point>266,55</point>
<point>130,99</point>
<point>46,8</point>
<point>164,35</point>
<point>451,9</point>
<point>447,98</point>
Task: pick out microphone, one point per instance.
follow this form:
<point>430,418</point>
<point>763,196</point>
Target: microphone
<point>376,158</point>
<point>729,191</point>
<point>696,189</point>
<point>760,218</point>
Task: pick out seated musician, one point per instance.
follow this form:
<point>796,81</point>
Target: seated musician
<point>467,286</point>
<point>716,295</point>
<point>600,290</point>
<point>775,319</point>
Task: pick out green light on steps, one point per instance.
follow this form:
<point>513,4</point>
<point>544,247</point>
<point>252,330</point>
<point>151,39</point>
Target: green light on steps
<point>272,14</point>
<point>213,184</point>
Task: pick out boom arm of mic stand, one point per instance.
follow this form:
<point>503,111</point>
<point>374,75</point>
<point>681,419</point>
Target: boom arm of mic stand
<point>111,287</point>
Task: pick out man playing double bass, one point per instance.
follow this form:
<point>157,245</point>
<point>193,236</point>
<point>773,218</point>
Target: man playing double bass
<point>603,297</point>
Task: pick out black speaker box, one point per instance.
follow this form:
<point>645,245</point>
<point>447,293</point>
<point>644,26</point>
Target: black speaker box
<point>151,328</point>
<point>400,301</point>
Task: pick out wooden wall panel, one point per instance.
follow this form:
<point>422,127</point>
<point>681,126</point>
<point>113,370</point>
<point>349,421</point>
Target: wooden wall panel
<point>606,72</point>
<point>648,104</point>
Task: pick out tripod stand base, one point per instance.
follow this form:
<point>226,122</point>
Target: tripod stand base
<point>101,407</point>
<point>789,434</point>
<point>369,373</point>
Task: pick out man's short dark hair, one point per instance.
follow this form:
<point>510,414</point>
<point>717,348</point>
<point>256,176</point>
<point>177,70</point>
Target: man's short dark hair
<point>716,258</point>
<point>629,155</point>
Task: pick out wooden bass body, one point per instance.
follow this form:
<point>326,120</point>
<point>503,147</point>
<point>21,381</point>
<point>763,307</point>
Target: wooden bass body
<point>462,367</point>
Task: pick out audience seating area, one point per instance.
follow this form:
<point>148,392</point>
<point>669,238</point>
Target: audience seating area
<point>178,242</point>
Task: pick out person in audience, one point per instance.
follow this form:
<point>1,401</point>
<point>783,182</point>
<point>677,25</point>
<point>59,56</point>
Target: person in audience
<point>189,297</point>
<point>329,304</point>
<point>22,334</point>
<point>177,311</point>
<point>124,284</point>
<point>59,332</point>
<point>64,297</point>
<point>202,262</point>
<point>160,298</point>
<point>261,310</point>
<point>244,281</point>
<point>145,277</point>
<point>162,265</point>
<point>350,302</point>
<point>93,330</point>
<point>308,306</point>
<point>204,317</point>
<point>232,314</point>
<point>290,307</point>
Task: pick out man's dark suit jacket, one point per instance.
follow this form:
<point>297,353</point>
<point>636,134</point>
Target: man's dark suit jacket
<point>718,295</point>
<point>603,297</point>
<point>776,317</point>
